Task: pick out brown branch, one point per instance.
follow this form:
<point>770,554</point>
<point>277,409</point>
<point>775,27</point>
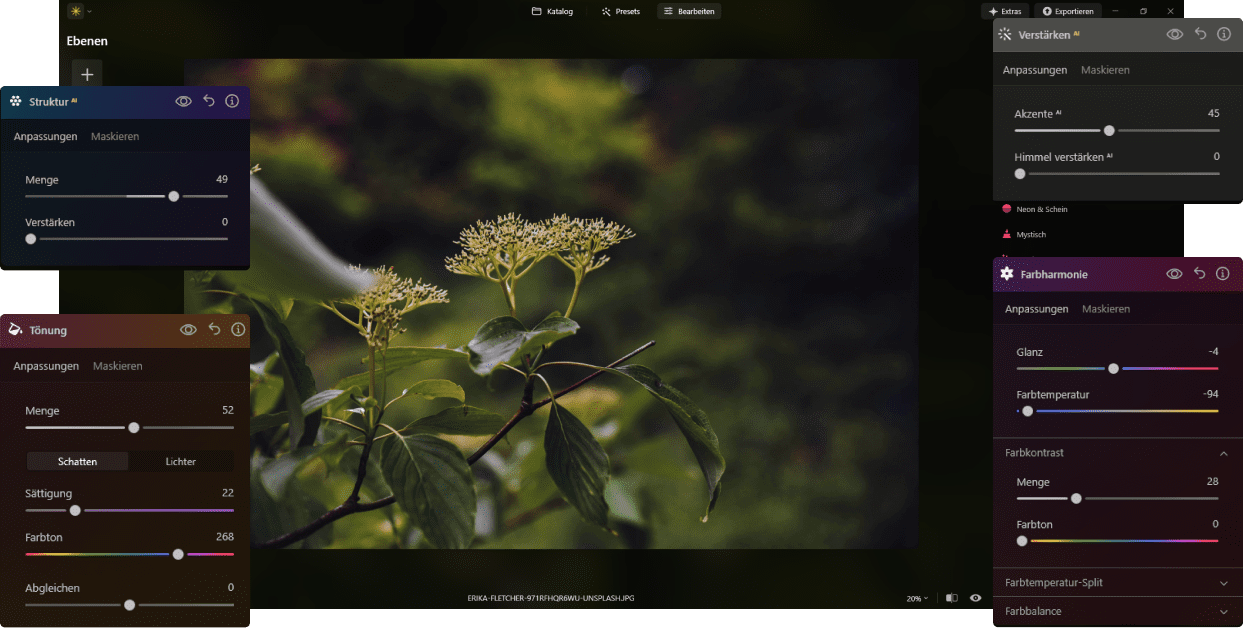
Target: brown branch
<point>352,506</point>
<point>348,508</point>
<point>527,409</point>
<point>531,515</point>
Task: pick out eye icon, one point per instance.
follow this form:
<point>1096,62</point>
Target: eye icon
<point>1173,273</point>
<point>188,329</point>
<point>183,101</point>
<point>1174,34</point>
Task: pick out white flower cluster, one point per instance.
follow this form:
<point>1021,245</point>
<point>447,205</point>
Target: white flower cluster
<point>585,239</point>
<point>509,246</point>
<point>382,306</point>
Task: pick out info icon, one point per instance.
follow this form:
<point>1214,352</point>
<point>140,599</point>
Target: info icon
<point>76,11</point>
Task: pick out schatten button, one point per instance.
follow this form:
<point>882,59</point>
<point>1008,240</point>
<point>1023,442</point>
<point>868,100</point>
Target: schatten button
<point>195,460</point>
<point>77,461</point>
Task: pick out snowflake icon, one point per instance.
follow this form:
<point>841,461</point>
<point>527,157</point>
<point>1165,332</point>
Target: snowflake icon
<point>1007,273</point>
<point>15,100</point>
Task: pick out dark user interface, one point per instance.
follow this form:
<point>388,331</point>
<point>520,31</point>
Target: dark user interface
<point>1117,110</point>
<point>759,140</point>
<point>1115,431</point>
<point>125,469</point>
<point>125,177</point>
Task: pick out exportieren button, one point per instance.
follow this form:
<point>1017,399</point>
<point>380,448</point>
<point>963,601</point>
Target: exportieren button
<point>1069,9</point>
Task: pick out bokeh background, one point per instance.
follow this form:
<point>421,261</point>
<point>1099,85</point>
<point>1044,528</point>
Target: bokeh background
<point>775,263</point>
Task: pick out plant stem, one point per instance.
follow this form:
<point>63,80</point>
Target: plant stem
<point>371,370</point>
<point>345,423</point>
<point>509,297</point>
<point>362,468</point>
<point>334,310</point>
<point>352,506</point>
<point>564,363</point>
<point>578,283</point>
<point>369,434</point>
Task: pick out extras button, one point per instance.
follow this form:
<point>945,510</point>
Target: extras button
<point>993,10</point>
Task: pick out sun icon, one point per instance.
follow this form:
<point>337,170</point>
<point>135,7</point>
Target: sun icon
<point>75,11</point>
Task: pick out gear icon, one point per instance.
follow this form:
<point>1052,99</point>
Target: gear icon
<point>15,100</point>
<point>1007,273</point>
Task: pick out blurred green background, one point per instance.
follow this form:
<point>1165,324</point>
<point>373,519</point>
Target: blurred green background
<point>774,204</point>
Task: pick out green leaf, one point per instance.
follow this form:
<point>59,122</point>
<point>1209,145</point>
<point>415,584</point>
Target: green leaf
<point>283,305</point>
<point>346,399</point>
<point>277,474</point>
<point>319,400</point>
<point>277,508</point>
<point>267,518</point>
<point>330,451</point>
<point>577,464</point>
<point>265,393</point>
<point>401,357</point>
<point>623,499</point>
<point>398,358</point>
<point>436,389</point>
<point>503,339</point>
<point>461,421</point>
<point>259,369</point>
<point>434,485</point>
<point>691,420</point>
<point>535,485</point>
<point>266,387</point>
<point>297,373</point>
<point>268,421</point>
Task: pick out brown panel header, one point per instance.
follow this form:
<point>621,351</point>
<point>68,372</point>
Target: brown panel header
<point>138,331</point>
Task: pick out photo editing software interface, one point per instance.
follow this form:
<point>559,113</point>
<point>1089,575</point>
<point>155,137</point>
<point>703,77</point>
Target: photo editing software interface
<point>509,305</point>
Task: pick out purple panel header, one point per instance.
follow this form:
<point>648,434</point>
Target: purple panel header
<point>1117,274</point>
<point>124,103</point>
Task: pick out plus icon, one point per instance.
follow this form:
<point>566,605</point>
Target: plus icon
<point>993,11</point>
<point>88,75</point>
